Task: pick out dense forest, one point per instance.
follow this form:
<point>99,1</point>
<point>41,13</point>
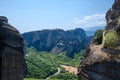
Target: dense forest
<point>43,64</point>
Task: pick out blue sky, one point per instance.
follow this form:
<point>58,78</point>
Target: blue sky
<point>30,15</point>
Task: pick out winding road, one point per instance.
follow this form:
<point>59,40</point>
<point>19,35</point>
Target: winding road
<point>70,69</point>
<point>53,74</point>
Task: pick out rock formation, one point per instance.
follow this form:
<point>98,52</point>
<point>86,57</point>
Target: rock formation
<point>12,62</point>
<point>113,17</point>
<point>102,63</point>
<point>57,40</point>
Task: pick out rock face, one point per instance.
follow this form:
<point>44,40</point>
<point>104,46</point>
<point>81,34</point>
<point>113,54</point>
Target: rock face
<point>103,63</point>
<point>12,62</point>
<point>58,40</point>
<point>113,17</point>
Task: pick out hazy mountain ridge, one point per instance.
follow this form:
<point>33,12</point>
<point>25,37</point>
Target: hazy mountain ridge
<point>91,31</point>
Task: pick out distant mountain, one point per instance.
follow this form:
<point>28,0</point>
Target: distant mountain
<point>91,31</point>
<point>57,40</point>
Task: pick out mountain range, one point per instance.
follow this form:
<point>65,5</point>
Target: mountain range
<point>58,40</point>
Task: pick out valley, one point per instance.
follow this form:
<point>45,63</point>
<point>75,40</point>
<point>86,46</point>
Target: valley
<point>55,54</point>
<point>43,65</point>
<point>60,40</point>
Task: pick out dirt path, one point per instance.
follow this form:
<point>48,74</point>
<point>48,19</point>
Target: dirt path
<point>53,74</point>
<point>70,69</point>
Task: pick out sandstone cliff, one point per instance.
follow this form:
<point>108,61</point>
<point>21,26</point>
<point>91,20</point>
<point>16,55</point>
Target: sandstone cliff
<point>58,40</point>
<point>12,62</point>
<point>103,62</point>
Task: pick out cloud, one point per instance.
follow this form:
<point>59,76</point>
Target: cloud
<point>90,21</point>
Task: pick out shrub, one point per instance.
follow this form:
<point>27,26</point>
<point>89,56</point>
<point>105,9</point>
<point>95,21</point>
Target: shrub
<point>111,39</point>
<point>98,37</point>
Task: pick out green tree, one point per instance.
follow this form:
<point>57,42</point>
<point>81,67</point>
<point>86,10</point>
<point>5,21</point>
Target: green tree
<point>98,37</point>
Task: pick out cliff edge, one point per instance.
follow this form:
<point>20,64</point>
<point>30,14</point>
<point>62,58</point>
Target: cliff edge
<point>102,62</point>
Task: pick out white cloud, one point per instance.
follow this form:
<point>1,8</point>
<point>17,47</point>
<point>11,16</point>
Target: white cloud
<point>90,21</point>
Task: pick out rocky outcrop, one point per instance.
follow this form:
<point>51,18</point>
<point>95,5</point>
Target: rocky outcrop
<point>12,62</point>
<point>102,63</point>
<point>113,17</point>
<point>57,40</point>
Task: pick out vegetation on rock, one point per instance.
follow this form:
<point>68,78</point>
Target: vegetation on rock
<point>111,39</point>
<point>98,37</point>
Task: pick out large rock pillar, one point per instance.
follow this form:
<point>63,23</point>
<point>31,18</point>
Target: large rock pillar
<point>12,62</point>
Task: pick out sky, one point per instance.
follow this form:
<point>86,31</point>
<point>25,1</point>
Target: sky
<point>31,15</point>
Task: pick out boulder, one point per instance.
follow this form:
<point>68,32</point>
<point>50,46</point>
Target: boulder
<point>12,61</point>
